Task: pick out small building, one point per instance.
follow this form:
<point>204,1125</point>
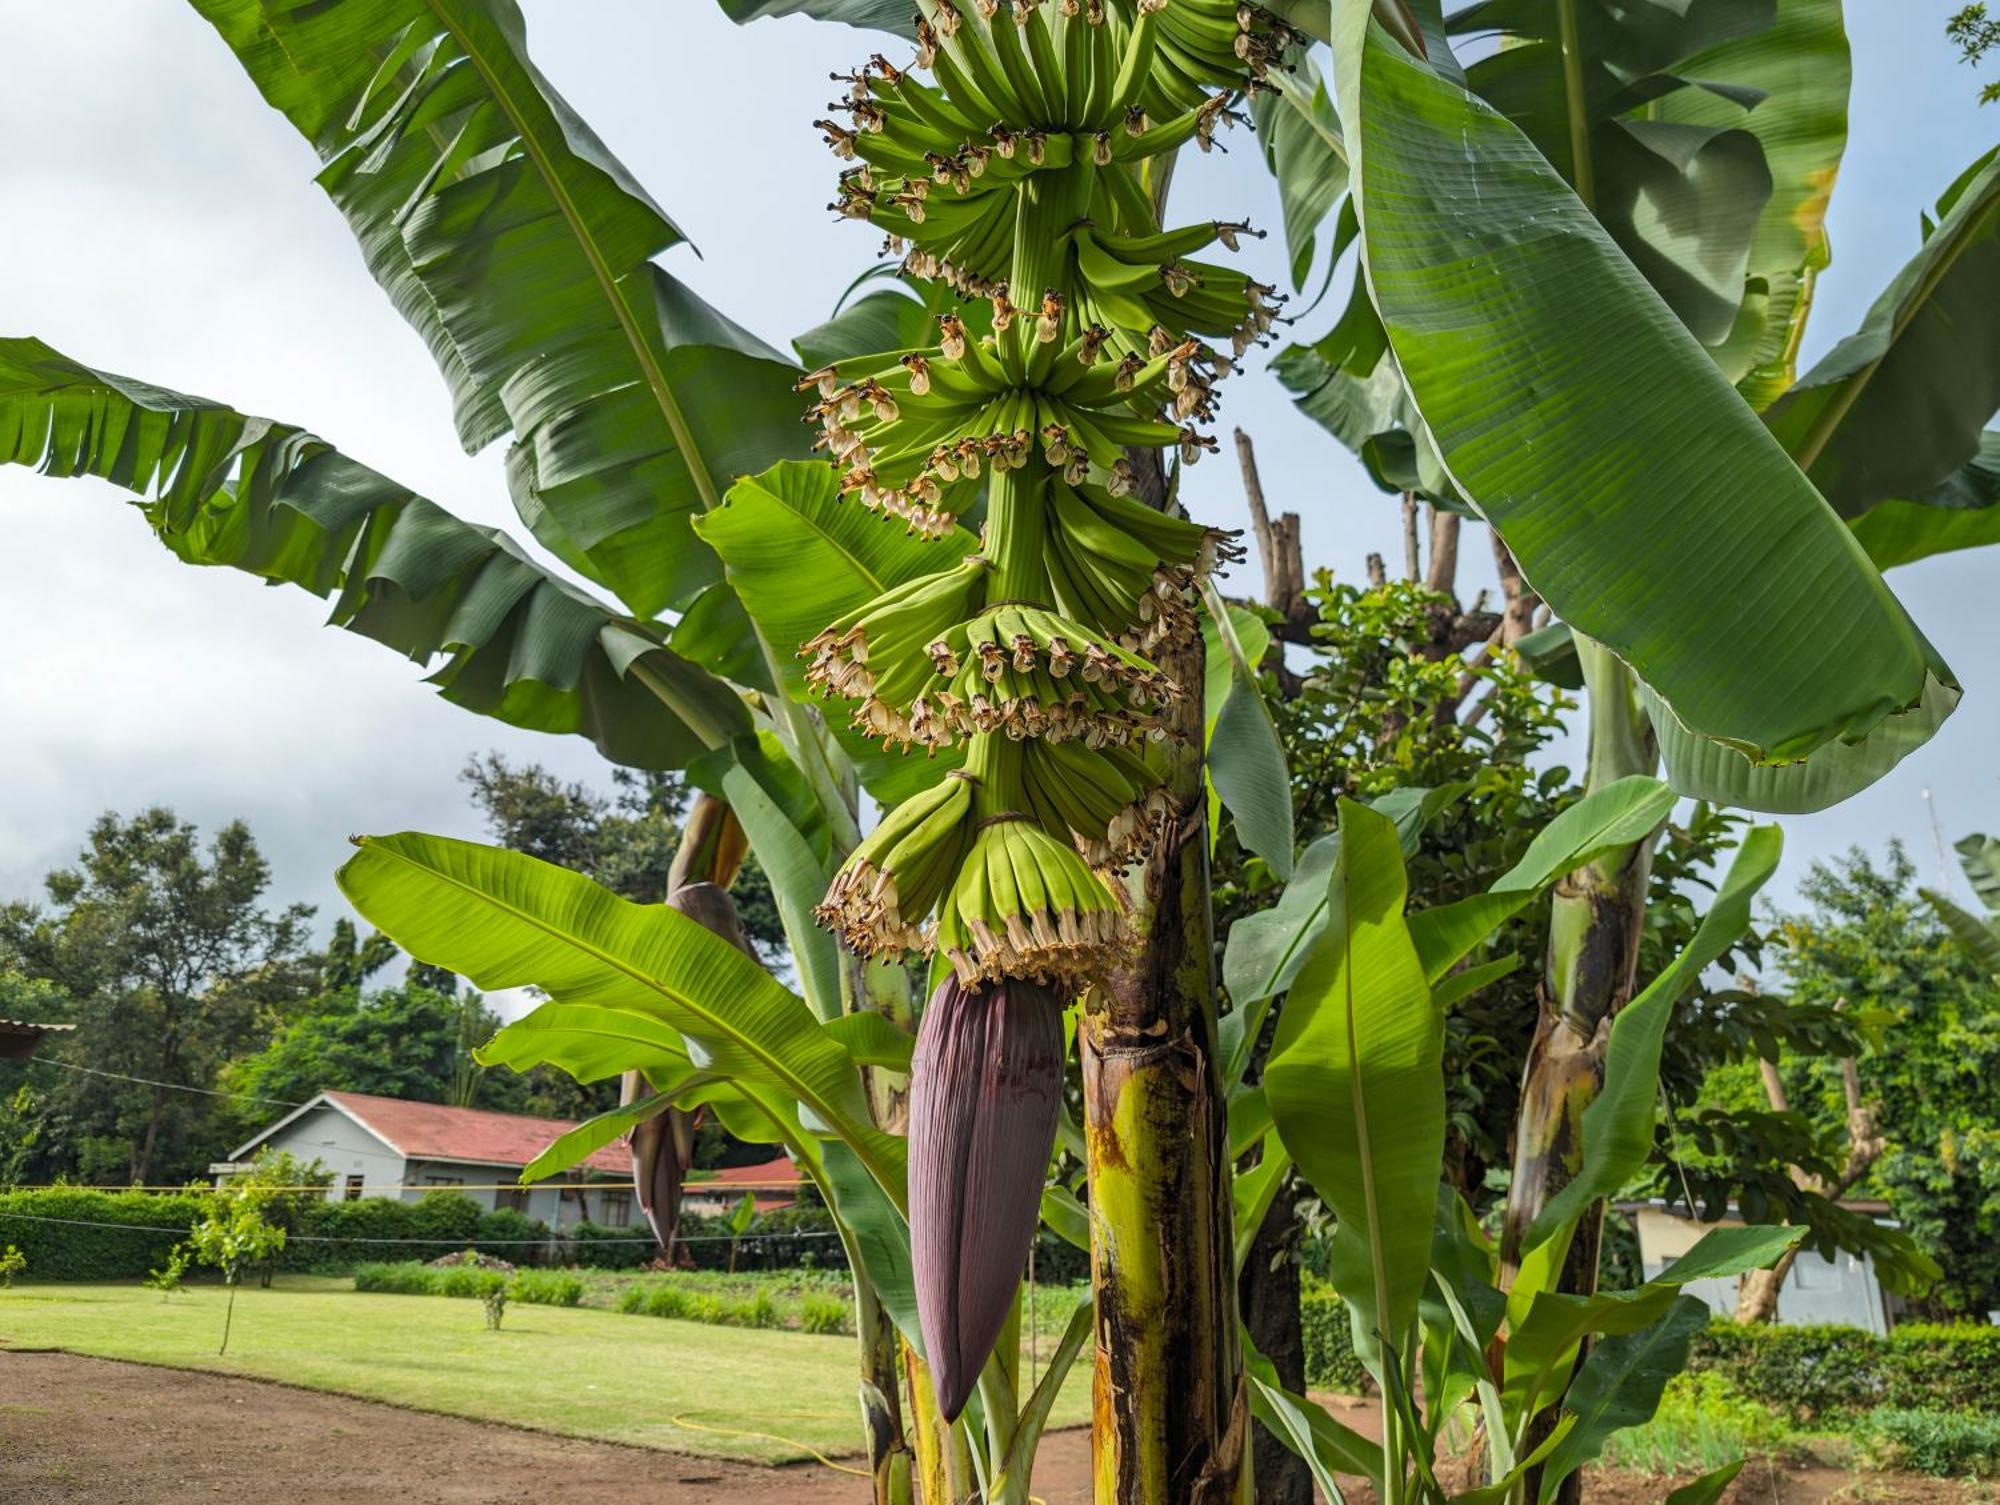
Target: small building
<point>19,1037</point>
<point>772,1184</point>
<point>1843,1289</point>
<point>386,1147</point>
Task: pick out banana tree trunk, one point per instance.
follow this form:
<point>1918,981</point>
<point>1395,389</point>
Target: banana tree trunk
<point>1597,916</point>
<point>1169,1408</point>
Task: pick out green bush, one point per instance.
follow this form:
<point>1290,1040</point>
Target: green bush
<point>1331,1362</point>
<point>467,1280</point>
<point>825,1314</point>
<point>505,1227</point>
<point>1947,1444</point>
<point>395,1279</point>
<point>610,1248</point>
<point>333,1236</point>
<point>546,1287</point>
<point>1703,1422</point>
<point>79,1247</point>
<point>1809,1372</point>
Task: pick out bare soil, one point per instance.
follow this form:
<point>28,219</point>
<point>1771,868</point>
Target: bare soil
<point>76,1429</point>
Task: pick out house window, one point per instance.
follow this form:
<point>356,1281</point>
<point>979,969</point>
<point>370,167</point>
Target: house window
<point>444,1180</point>
<point>617,1209</point>
<point>354,1188</point>
<point>512,1198</point>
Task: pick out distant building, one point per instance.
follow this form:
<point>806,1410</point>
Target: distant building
<point>1843,1289</point>
<point>18,1038</point>
<point>386,1147</point>
<point>773,1183</point>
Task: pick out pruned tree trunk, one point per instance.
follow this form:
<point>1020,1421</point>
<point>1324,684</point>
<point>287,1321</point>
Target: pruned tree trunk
<point>1757,1297</point>
<point>1170,1412</point>
<point>1517,612</point>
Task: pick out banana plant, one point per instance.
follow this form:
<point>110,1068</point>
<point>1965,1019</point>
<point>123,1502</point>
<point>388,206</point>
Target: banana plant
<point>1354,1093</point>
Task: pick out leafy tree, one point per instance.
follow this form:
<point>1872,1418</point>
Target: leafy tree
<point>1929,1016</point>
<point>1976,34</point>
<point>233,1237</point>
<point>626,840</point>
<point>408,1042</point>
<point>170,961</point>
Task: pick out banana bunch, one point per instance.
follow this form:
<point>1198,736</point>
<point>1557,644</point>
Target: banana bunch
<point>1028,906</point>
<point>1020,174</point>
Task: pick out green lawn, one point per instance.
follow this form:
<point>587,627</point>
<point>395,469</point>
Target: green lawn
<point>581,1371</point>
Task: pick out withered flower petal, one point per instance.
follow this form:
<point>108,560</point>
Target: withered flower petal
<point>984,1088</point>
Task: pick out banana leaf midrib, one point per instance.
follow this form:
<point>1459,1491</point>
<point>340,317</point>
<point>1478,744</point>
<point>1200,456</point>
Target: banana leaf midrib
<point>1964,234</point>
<point>777,1064</point>
<point>593,254</point>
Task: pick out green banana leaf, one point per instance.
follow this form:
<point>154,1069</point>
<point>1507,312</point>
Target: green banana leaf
<point>1618,1123</point>
<point>1620,813</point>
<point>798,881</point>
<point>1801,67</point>
<point>1542,1340</point>
<point>879,1234</point>
<point>1708,1488</point>
<point>799,557</point>
<point>1901,404</point>
<point>1329,1447</point>
<point>1246,761</point>
<point>506,920</point>
<point>1302,148</point>
<point>520,249</point>
<point>1979,938</point>
<point>253,494</point>
<point>1957,514</point>
<point>1642,498</point>
<point>1979,856</point>
<point>1620,1385</point>
<point>874,15</point>
<point>1355,1087</point>
<point>1018,1462</point>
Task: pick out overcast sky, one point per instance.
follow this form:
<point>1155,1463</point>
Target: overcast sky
<point>156,219</point>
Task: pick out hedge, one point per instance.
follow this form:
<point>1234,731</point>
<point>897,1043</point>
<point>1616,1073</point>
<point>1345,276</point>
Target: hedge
<point>1331,1362</point>
<point>1829,1371</point>
<point>64,1251</point>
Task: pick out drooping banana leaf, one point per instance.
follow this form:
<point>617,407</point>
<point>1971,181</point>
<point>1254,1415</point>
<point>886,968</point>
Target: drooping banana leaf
<point>1899,406</point>
<point>799,556</point>
<point>1246,760</point>
<point>1302,148</point>
<point>506,920</point>
<point>1979,938</point>
<point>875,15</point>
<point>1620,1385</point>
<point>1801,67</point>
<point>1640,495</point>
<point>222,488</point>
<point>1618,1123</point>
<point>1354,1086</point>
<point>1957,514</point>
<point>520,249</point>
<point>1979,856</point>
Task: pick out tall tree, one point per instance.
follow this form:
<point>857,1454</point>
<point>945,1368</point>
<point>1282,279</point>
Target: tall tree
<point>169,958</point>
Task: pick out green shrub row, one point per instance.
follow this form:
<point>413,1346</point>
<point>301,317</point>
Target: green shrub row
<point>95,1235</point>
<point>1331,1362</point>
<point>408,1278</point>
<point>1809,1372</point>
<point>665,1298</point>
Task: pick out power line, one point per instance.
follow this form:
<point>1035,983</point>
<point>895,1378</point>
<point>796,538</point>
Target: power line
<point>146,1081</point>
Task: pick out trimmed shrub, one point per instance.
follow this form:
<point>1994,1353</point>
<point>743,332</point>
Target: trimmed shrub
<point>506,1227</point>
<point>1946,1444</point>
<point>1331,1362</point>
<point>1809,1372</point>
<point>79,1247</point>
<point>600,1248</point>
<point>395,1279</point>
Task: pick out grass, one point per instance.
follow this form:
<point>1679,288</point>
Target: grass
<point>582,1371</point>
<point>1702,1423</point>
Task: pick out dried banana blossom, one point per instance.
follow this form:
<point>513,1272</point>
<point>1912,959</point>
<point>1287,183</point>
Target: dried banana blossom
<point>984,1089</point>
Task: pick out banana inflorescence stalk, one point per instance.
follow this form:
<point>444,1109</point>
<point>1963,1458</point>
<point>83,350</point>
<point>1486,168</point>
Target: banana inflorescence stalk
<point>1024,175</point>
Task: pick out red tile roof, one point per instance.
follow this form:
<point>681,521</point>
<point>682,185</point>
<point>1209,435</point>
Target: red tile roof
<point>772,1183</point>
<point>432,1131</point>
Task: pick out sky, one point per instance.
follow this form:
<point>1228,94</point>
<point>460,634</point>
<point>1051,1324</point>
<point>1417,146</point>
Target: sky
<point>158,220</point>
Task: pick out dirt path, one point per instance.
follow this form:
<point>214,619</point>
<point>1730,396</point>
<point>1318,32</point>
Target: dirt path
<point>76,1430</point>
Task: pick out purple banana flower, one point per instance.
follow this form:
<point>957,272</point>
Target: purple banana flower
<point>984,1089</point>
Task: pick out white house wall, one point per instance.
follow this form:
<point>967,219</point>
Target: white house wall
<point>329,1136</point>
